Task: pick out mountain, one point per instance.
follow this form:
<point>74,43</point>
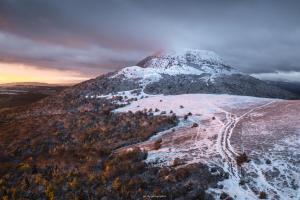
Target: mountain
<point>293,87</point>
<point>190,71</point>
<point>169,73</point>
<point>151,130</point>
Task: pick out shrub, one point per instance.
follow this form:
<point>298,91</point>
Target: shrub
<point>242,182</point>
<point>5,197</point>
<point>226,175</point>
<point>135,154</point>
<point>24,167</point>
<point>177,162</point>
<point>135,182</point>
<point>117,184</point>
<point>224,195</point>
<point>182,173</point>
<point>195,125</point>
<point>49,192</point>
<point>74,184</point>
<point>262,195</point>
<point>164,171</point>
<point>268,162</point>
<point>241,159</point>
<point>157,144</point>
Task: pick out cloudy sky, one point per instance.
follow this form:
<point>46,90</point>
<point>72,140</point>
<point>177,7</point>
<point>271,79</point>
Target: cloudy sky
<point>72,40</point>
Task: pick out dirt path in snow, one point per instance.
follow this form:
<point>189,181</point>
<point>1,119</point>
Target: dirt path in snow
<point>227,152</point>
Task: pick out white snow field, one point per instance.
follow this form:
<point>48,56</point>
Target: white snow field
<point>267,130</point>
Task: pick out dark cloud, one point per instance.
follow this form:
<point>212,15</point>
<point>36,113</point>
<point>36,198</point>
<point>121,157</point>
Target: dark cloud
<point>95,36</point>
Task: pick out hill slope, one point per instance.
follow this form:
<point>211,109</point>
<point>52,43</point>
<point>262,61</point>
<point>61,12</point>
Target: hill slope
<point>145,130</point>
<point>190,71</point>
<point>187,72</point>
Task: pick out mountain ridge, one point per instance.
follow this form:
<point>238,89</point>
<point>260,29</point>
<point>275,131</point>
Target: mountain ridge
<point>181,78</point>
<point>194,71</point>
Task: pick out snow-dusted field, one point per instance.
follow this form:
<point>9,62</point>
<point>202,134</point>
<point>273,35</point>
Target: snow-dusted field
<point>268,130</point>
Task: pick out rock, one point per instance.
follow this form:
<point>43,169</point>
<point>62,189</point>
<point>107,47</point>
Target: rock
<point>195,125</point>
<point>268,161</point>
<point>163,112</point>
<point>224,195</point>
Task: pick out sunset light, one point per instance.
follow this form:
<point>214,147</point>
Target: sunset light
<point>24,73</point>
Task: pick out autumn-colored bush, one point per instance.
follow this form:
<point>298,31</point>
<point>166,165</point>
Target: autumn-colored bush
<point>73,155</point>
<point>157,144</point>
<point>241,159</point>
<point>117,184</point>
<point>124,162</point>
<point>177,161</point>
<point>182,173</point>
<point>135,182</point>
<point>50,192</point>
<point>24,167</point>
<point>262,195</point>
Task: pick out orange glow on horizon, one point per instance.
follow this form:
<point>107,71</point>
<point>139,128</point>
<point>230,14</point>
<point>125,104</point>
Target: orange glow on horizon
<point>10,73</point>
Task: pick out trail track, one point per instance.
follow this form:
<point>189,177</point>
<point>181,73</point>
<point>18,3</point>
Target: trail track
<point>226,150</point>
<point>229,154</point>
<point>266,129</point>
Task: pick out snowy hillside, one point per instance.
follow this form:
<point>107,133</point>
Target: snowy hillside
<point>226,126</point>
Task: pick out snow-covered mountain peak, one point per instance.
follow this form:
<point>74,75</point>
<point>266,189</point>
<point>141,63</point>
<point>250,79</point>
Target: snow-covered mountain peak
<point>195,56</point>
<point>190,57</point>
<point>185,62</point>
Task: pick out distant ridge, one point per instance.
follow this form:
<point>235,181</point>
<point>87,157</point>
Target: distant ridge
<point>32,84</point>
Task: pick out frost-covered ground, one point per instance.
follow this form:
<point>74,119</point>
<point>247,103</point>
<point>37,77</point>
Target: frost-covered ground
<point>267,130</point>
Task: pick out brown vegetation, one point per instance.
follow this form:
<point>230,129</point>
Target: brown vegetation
<point>71,155</point>
<point>241,159</point>
<point>195,125</point>
<point>63,156</point>
<point>157,144</point>
<point>262,195</point>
